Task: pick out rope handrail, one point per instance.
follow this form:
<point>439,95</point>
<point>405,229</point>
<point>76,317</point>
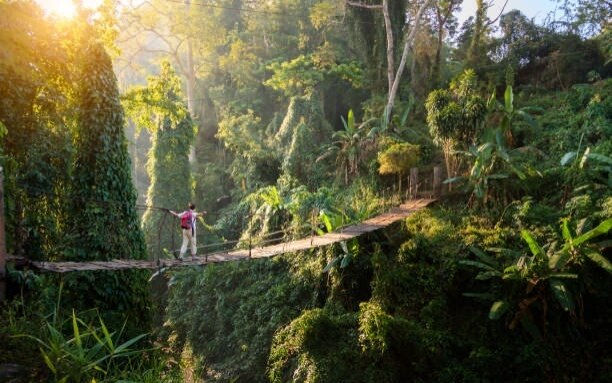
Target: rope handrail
<point>403,188</point>
<point>382,220</point>
<point>262,239</point>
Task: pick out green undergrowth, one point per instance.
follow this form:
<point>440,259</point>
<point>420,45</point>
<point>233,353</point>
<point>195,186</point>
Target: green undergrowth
<point>227,313</point>
<point>399,310</point>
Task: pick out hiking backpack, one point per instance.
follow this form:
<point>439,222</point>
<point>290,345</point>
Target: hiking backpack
<point>186,220</point>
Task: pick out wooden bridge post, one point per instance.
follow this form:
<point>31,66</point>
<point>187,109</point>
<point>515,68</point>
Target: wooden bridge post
<point>414,182</point>
<point>250,244</point>
<point>437,181</point>
<point>2,240</point>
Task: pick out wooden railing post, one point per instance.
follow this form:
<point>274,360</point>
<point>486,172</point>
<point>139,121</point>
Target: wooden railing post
<point>2,240</point>
<point>250,243</point>
<point>437,181</point>
<point>414,182</point>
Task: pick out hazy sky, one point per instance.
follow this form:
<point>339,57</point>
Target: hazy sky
<point>530,8</point>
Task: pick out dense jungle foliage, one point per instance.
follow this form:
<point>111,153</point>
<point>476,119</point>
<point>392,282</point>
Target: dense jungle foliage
<point>289,119</point>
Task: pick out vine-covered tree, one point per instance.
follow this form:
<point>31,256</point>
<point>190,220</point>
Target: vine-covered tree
<point>160,108</point>
<point>103,198</point>
<point>102,216</point>
<point>35,115</point>
<point>299,139</point>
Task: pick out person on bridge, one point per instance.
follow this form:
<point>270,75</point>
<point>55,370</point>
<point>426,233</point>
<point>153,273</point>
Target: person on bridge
<point>188,226</point>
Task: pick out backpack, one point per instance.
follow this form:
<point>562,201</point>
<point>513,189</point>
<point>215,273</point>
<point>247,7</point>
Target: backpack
<point>186,220</point>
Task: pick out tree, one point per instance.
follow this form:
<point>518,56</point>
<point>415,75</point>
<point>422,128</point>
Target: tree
<point>102,191</point>
<point>394,74</point>
<point>37,111</point>
<point>159,108</point>
<point>398,159</point>
<point>455,116</point>
<point>299,141</point>
<point>477,52</point>
<point>104,223</point>
<point>443,21</point>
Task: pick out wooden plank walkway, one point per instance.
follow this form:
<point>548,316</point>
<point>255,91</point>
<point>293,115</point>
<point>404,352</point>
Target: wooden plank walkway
<point>372,224</point>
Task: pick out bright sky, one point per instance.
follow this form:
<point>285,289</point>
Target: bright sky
<point>530,8</point>
<point>65,8</point>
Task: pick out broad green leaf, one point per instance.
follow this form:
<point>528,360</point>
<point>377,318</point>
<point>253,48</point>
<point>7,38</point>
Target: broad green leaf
<point>326,221</point>
<point>499,138</point>
<point>478,264</point>
<point>505,123</point>
<point>484,296</point>
<point>503,155</point>
<point>567,157</point>
<point>484,275</point>
<point>351,119</point>
<point>533,245</point>
<point>492,101</point>
<point>600,157</point>
<point>564,275</point>
<point>559,259</point>
<point>509,99</point>
<point>346,259</point>
<point>518,172</point>
<point>75,328</point>
<point>346,127</point>
<point>107,335</point>
<point>48,361</point>
<point>511,272</point>
<point>124,346</point>
<point>344,247</point>
<point>498,309</point>
<point>599,259</point>
<point>505,252</point>
<point>562,294</point>
<point>331,264</point>
<point>528,119</point>
<point>601,229</point>
<point>479,191</point>
<point>485,257</point>
<point>497,176</point>
<point>565,231</point>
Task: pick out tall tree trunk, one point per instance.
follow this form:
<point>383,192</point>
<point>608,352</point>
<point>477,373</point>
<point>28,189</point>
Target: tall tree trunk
<point>438,59</point>
<point>390,45</point>
<point>398,75</point>
<point>190,85</point>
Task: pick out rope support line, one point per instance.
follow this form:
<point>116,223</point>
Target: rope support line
<point>388,197</point>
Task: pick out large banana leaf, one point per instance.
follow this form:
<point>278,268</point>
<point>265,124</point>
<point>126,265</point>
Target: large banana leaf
<point>562,294</point>
<point>498,309</point>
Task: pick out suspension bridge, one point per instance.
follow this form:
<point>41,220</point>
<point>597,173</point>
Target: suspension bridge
<point>380,221</point>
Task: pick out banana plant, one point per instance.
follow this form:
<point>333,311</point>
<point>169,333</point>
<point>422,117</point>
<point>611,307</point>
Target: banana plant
<point>601,164</point>
<point>491,162</point>
<point>331,221</point>
<point>542,270</point>
<point>342,260</point>
<point>510,113</point>
<point>348,146</point>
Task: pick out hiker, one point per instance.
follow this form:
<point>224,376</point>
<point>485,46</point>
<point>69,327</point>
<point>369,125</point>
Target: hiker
<point>188,226</point>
